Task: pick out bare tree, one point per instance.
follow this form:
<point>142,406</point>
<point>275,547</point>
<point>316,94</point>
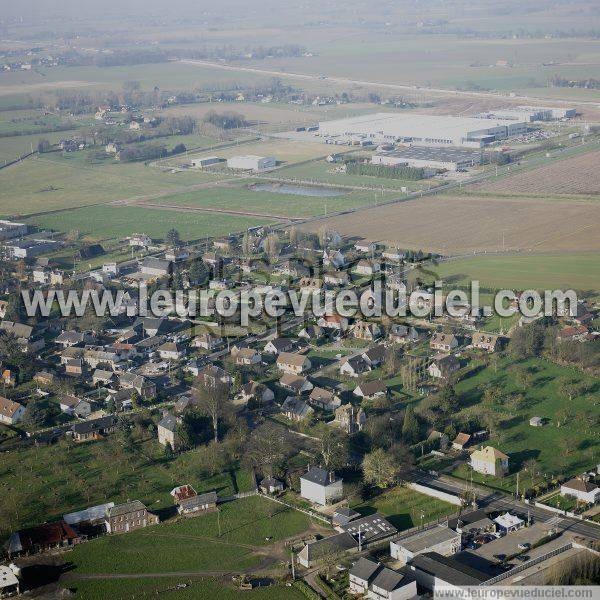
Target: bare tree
<point>212,401</point>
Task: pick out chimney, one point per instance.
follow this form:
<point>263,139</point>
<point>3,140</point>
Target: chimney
<point>330,476</point>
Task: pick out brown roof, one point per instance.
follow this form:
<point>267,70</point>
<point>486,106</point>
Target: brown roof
<point>291,358</point>
<point>7,407</point>
<point>462,439</point>
<point>580,485</point>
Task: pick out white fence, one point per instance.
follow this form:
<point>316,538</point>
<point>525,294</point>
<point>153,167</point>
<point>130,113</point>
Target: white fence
<point>435,493</point>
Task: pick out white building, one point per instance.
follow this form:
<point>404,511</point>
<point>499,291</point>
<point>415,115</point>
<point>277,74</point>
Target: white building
<point>251,162</point>
<point>490,461</point>
<point>321,486</point>
<point>582,490</point>
<point>422,130</point>
<point>207,161</point>
<point>508,523</point>
<point>10,412</point>
<point>440,539</point>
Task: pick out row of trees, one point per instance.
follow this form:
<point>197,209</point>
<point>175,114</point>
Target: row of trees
<point>361,168</point>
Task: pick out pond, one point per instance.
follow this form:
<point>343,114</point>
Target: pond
<point>297,190</point>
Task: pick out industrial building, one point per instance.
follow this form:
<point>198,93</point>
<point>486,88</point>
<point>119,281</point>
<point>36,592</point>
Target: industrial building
<point>420,130</point>
<point>251,162</point>
<point>449,159</point>
<point>530,114</point>
<point>207,161</point>
<point>9,230</point>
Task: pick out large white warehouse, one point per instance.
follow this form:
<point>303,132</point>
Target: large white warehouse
<point>251,162</point>
<point>422,130</point>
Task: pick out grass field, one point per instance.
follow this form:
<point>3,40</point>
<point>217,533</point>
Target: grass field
<point>568,449</point>
<point>193,545</point>
<point>44,483</point>
<point>239,198</point>
<point>318,171</point>
<point>111,222</point>
<point>521,272</point>
<point>403,507</point>
<point>140,589</point>
<point>13,147</point>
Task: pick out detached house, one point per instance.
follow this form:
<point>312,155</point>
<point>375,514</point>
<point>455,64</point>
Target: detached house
<point>367,267</point>
<point>278,345</point>
<point>363,330</point>
<point>443,366</point>
<point>349,419</point>
<point>324,399</point>
<point>247,356</point>
<point>295,409</point>
<point>353,366</point>
<point>171,351</point>
<point>321,486</point>
<point>128,517</point>
<point>583,490</point>
<point>485,341</point>
<point>292,363</point>
<point>94,429</point>
<point>370,390</point>
<point>294,383</point>
<point>28,339</point>
<point>443,342</point>
<point>10,412</point>
<point>489,461</point>
<point>167,430</point>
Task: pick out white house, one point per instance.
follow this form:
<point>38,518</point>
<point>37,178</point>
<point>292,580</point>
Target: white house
<point>10,412</point>
<point>321,486</point>
<point>292,363</point>
<point>490,461</point>
<point>582,490</point>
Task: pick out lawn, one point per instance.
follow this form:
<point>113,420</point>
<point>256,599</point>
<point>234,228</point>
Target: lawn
<point>40,484</point>
<point>403,507</point>
<point>579,271</point>
<point>112,222</point>
<point>567,449</point>
<point>195,544</point>
<point>125,589</point>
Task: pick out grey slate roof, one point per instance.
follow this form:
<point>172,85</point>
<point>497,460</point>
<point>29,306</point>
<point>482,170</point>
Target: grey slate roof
<point>320,476</point>
<point>125,509</point>
<point>388,580</point>
<point>448,570</point>
<point>364,568</point>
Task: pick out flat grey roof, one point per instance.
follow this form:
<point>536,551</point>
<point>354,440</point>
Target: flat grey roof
<point>426,539</point>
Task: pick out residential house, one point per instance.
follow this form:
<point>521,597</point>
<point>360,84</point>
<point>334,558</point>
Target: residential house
<point>171,351</point>
<point>461,441</point>
<point>374,356</point>
<point>28,339</point>
<point>402,334</point>
<point>9,378</point>
<point>310,284</point>
<point>371,390</point>
<point>393,254</point>
<point>393,585</point>
<point>270,485</point>
<point>256,391</point>
<point>443,366</point>
<point>324,399</point>
<point>367,267</point>
<point>74,367</point>
<point>247,356</point>
<point>68,339</point>
<point>296,409</point>
<point>490,461</point>
<point>583,490</point>
<point>333,258</point>
<point>10,412</point>
<point>440,539</point>
<point>485,341</point>
<point>293,363</point>
<point>195,505</point>
<point>71,405</point>
<point>132,381</point>
<point>361,574</point>
<point>363,330</point>
<point>279,345</point>
<point>353,366</point>
<point>333,322</point>
<point>365,246</point>
<point>536,422</point>
<point>214,375</point>
<point>296,384</point>
<point>336,278</point>
<point>208,341</point>
<point>349,419</point>
<point>167,430</point>
<point>94,429</point>
<point>321,486</point>
<point>443,342</point>
<point>311,333</point>
<point>102,377</point>
<point>130,516</point>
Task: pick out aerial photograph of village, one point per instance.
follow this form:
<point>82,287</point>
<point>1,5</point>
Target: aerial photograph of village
<point>299,301</point>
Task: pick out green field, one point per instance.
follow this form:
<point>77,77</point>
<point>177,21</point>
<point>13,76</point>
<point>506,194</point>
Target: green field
<point>580,271</point>
<point>195,545</point>
<point>140,589</point>
<point>40,484</point>
<point>318,171</point>
<point>111,222</point>
<point>568,449</point>
<point>403,507</point>
<point>270,203</point>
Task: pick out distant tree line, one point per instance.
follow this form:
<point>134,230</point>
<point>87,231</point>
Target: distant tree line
<point>225,120</point>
